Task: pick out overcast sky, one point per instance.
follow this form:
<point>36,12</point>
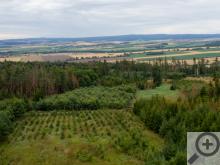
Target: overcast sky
<point>81,18</point>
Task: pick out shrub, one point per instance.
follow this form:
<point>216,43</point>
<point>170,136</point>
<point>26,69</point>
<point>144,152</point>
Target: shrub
<point>132,143</point>
<point>9,110</point>
<point>84,156</point>
<point>15,105</point>
<point>5,124</point>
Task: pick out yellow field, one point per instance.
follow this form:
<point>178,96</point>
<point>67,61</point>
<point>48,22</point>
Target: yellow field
<point>13,58</point>
<point>54,57</point>
<point>92,55</point>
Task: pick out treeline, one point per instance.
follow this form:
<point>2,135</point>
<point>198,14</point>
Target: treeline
<point>10,110</point>
<point>89,98</point>
<point>37,80</point>
<point>172,120</point>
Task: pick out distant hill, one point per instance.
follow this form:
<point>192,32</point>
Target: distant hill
<point>109,38</point>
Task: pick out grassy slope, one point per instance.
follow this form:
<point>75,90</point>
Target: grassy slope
<point>163,90</point>
<point>52,151</point>
<point>38,139</point>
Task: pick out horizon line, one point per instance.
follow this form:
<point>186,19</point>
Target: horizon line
<point>100,36</point>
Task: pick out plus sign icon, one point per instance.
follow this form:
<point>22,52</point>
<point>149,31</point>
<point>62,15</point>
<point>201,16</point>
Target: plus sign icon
<point>203,148</point>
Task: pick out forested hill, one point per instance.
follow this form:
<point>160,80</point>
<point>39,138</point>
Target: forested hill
<point>110,38</point>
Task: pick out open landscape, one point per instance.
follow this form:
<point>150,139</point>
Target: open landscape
<point>103,49</point>
<point>109,82</point>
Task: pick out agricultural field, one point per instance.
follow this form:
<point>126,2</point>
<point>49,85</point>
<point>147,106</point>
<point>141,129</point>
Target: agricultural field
<point>184,55</point>
<point>111,51</point>
<point>104,137</point>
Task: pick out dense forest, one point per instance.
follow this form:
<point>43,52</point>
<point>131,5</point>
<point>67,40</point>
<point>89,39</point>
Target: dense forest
<point>37,80</point>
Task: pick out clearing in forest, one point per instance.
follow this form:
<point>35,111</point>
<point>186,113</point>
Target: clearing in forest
<point>163,90</point>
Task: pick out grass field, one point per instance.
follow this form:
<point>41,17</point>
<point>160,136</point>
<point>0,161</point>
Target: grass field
<point>163,90</point>
<point>184,56</point>
<point>188,57</point>
<point>77,137</point>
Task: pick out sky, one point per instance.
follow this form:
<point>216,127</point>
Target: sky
<point>84,18</point>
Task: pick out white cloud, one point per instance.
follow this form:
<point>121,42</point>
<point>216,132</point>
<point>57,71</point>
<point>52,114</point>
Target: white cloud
<point>76,18</point>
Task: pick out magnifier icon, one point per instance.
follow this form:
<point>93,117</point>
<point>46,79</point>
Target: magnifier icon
<point>207,144</point>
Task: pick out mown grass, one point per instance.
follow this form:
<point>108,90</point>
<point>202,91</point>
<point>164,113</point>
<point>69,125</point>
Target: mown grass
<point>163,90</point>
<point>75,137</point>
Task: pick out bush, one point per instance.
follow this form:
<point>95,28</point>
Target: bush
<point>173,87</point>
<point>9,110</point>
<point>88,152</point>
<point>133,143</point>
<point>15,105</point>
<point>175,75</point>
<point>84,156</point>
<point>179,159</point>
<point>5,124</point>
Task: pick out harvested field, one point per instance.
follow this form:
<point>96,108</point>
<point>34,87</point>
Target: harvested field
<point>12,58</point>
<point>31,58</point>
<point>94,55</point>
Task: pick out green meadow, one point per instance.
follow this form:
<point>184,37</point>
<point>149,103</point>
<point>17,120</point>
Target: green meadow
<point>163,90</point>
